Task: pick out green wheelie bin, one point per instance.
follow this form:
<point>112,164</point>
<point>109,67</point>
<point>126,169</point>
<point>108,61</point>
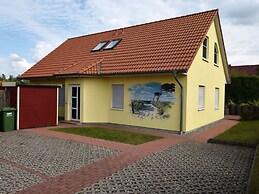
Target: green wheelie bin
<point>7,118</point>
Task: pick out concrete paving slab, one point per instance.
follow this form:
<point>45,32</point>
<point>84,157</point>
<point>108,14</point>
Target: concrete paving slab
<point>13,179</point>
<point>188,167</point>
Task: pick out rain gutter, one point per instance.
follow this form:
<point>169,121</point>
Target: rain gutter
<point>181,100</point>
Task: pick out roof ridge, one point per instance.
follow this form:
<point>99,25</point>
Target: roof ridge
<point>65,68</point>
<point>83,70</point>
<point>147,23</point>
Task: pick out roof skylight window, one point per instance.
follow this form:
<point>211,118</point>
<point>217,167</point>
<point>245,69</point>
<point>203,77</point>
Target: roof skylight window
<point>100,46</point>
<point>112,44</point>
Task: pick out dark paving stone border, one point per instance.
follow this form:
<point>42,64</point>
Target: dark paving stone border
<point>229,142</point>
<point>251,170</point>
<point>204,128</point>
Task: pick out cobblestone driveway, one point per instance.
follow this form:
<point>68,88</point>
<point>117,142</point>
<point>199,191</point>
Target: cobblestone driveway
<point>184,168</point>
<point>46,155</point>
<point>45,161</point>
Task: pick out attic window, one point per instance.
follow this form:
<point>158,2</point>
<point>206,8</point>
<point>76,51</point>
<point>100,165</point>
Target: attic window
<point>112,44</point>
<point>205,48</point>
<point>216,54</point>
<point>100,46</point>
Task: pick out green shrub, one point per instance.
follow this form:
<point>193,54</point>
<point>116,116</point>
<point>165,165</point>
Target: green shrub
<point>243,89</point>
<point>248,114</point>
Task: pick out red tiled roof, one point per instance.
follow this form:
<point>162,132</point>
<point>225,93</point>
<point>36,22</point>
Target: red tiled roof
<point>246,69</point>
<point>160,46</point>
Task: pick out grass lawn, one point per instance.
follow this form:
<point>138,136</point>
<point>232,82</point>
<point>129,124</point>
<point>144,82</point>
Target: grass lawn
<point>111,134</point>
<point>248,132</point>
<point>245,131</point>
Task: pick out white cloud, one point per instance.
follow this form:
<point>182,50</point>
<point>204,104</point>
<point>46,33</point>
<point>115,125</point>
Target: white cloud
<point>14,65</point>
<point>116,14</point>
<point>41,50</point>
<point>242,43</point>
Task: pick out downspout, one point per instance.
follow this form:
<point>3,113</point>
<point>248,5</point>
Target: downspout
<point>181,101</point>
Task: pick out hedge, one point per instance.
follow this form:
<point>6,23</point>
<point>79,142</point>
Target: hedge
<point>243,89</point>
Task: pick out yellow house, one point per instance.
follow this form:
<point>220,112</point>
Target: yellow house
<point>168,74</point>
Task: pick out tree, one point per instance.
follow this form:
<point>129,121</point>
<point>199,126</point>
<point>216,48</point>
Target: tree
<point>3,77</point>
<point>257,71</point>
<point>11,78</point>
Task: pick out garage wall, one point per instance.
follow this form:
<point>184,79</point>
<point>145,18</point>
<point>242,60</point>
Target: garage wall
<point>38,107</point>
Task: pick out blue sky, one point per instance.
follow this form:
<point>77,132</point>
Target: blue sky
<point>30,29</point>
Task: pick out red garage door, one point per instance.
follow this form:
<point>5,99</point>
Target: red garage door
<point>37,107</point>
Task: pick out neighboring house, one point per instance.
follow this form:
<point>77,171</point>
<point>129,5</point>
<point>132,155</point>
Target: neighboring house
<point>168,74</point>
<point>245,69</point>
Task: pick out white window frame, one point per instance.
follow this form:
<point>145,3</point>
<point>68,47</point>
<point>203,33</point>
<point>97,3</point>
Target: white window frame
<point>118,96</point>
<point>216,98</point>
<point>207,49</point>
<point>201,97</point>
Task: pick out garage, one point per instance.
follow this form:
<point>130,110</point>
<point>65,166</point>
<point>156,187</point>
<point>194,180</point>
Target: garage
<point>36,105</point>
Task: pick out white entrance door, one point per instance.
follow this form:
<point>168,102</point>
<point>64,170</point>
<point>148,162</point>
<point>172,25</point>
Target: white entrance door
<point>75,102</point>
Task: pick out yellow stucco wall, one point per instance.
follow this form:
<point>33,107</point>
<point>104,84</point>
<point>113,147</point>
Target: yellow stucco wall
<point>96,101</point>
<point>126,117</point>
<point>207,74</point>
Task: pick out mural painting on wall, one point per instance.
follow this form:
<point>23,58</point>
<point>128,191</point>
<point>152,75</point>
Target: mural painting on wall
<point>152,100</point>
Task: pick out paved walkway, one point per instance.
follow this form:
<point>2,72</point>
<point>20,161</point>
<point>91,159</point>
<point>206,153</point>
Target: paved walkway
<point>56,166</point>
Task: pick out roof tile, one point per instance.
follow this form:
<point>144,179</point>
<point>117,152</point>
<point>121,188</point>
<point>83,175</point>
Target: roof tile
<point>153,47</point>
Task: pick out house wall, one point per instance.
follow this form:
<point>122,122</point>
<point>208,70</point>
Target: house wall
<point>94,99</point>
<point>96,95</point>
<point>125,116</point>
<point>207,74</point>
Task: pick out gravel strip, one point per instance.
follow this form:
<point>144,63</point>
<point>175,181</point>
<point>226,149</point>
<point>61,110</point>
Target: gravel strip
<point>13,179</point>
<point>185,168</point>
<point>49,156</point>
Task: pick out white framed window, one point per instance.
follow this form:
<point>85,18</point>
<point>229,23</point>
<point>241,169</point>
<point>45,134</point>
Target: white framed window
<point>216,98</point>
<point>205,48</point>
<point>118,96</point>
<point>201,98</point>
<point>112,44</point>
<point>100,46</point>
<point>216,53</point>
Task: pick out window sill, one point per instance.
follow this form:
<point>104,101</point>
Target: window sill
<point>117,109</point>
<point>216,65</point>
<point>201,109</point>
<point>216,109</point>
<point>204,59</point>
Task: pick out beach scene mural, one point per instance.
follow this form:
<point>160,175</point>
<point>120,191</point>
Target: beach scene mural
<point>152,100</point>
